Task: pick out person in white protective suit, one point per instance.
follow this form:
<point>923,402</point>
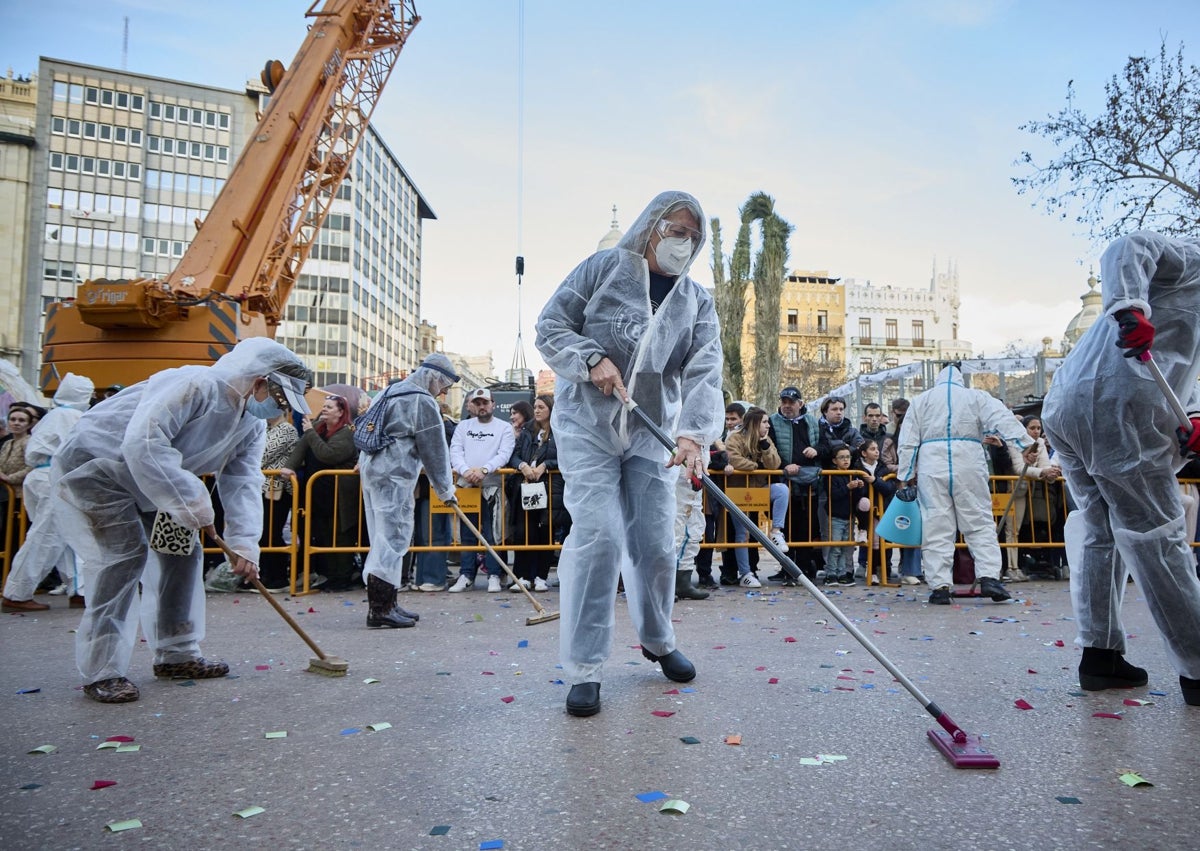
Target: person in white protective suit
<point>142,452</point>
<point>1119,445</point>
<point>629,322</point>
<point>941,446</point>
<point>44,548</point>
<point>414,438</point>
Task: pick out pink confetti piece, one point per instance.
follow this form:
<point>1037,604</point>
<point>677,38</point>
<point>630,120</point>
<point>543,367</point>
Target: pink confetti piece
<point>1132,701</point>
<point>789,640</point>
<point>1022,703</point>
<point>761,668</point>
<point>311,610</point>
<point>1106,715</point>
<point>773,680</point>
<point>671,691</point>
<point>867,671</point>
<point>842,688</point>
<point>841,677</point>
<point>662,713</point>
<point>119,739</point>
<point>1030,671</point>
<point>488,673</point>
<point>262,667</point>
<point>103,784</point>
<point>493,653</point>
<point>718,647</point>
<point>508,699</point>
<point>1059,643</point>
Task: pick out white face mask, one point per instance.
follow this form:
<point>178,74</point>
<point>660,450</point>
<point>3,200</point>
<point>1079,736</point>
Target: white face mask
<point>673,254</point>
<point>264,410</point>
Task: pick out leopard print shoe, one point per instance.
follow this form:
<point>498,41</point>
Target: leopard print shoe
<point>113,690</point>
<point>193,669</point>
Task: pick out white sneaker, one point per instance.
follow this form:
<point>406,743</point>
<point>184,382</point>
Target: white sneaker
<point>461,584</point>
<point>430,587</point>
<point>516,586</point>
<point>539,584</point>
<point>910,580</point>
<point>749,581</point>
<point>59,591</point>
<point>778,540</point>
<point>493,585</point>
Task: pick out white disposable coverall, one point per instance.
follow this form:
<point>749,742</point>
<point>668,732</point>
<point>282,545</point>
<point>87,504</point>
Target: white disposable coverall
<point>44,547</point>
<point>689,522</point>
<point>389,475</point>
<point>619,494</point>
<point>141,451</point>
<point>941,445</point>
<point>1114,435</point>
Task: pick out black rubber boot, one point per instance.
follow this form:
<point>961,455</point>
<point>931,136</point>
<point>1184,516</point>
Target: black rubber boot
<point>685,590</point>
<point>1101,668</point>
<point>675,666</point>
<point>1191,691</point>
<point>382,610</point>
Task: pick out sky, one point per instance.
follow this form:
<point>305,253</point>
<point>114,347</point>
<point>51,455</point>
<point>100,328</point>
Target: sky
<point>886,131</point>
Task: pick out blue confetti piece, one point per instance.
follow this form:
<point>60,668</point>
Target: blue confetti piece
<point>649,797</point>
<point>524,642</point>
<point>736,620</point>
<point>347,603</point>
<point>558,682</point>
<point>1159,693</point>
<point>867,685</point>
<point>350,731</point>
<point>30,786</point>
<point>28,690</point>
<point>687,691</point>
<point>491,843</point>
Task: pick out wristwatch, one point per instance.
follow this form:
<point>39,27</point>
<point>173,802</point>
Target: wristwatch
<point>485,470</point>
<point>593,360</point>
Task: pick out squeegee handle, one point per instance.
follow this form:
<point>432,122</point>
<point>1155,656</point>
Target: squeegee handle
<point>1185,422</point>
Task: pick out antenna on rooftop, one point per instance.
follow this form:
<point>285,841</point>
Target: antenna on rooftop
<point>125,47</point>
<point>519,370</point>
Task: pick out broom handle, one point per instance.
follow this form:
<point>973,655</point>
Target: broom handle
<point>1185,421</point>
<point>790,568</point>
<point>463,517</point>
<point>268,596</point>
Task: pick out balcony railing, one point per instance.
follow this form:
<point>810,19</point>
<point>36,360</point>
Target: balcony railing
<point>812,329</point>
<point>892,342</point>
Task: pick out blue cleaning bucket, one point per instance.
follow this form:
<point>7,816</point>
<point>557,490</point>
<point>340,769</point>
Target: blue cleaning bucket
<point>901,523</point>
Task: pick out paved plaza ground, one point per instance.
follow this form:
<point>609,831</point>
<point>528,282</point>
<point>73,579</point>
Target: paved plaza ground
<point>479,740</point>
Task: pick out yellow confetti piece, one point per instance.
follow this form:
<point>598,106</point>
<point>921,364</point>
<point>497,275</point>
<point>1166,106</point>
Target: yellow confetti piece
<point>1130,778</point>
<point>382,725</point>
<point>249,811</point>
<point>44,749</point>
<point>277,734</point>
<point>674,807</point>
<point>127,824</point>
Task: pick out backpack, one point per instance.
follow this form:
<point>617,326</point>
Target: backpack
<point>369,434</point>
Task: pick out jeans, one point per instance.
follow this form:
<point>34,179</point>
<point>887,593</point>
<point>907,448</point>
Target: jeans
<point>467,539</point>
<point>910,561</point>
<point>839,530</point>
<point>431,566</point>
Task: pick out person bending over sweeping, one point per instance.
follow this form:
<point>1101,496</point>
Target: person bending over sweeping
<point>1119,445</point>
<point>629,317</point>
<point>142,452</point>
<point>401,432</point>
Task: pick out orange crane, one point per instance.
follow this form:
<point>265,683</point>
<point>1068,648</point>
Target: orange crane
<point>235,278</point>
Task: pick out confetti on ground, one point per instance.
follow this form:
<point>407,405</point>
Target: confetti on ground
<point>1059,643</point>
<point>1067,799</point>
<point>44,749</point>
<point>650,797</point>
<point>118,826</point>
<point>789,640</point>
<point>761,668</point>
<point>773,680</point>
<point>311,610</point>
<point>671,691</point>
<point>1133,701</point>
<point>119,739</point>
<point>689,740</point>
<point>478,618</point>
<point>31,786</point>
<point>508,698</point>
<point>687,691</point>
<point>380,725</point>
<point>108,746</point>
<point>490,844</point>
<point>733,740</point>
<point>28,690</point>
<point>1106,715</point>
<point>1030,671</point>
<point>440,830</point>
<point>1022,703</point>
<point>718,647</point>
<point>103,784</point>
<point>128,749</point>
<point>674,807</point>
<point>488,673</point>
<point>350,731</point>
<point>262,667</point>
<point>662,713</point>
<point>276,734</point>
<point>523,643</point>
<point>249,811</point>
<point>187,683</point>
<point>370,681</point>
<point>1131,778</point>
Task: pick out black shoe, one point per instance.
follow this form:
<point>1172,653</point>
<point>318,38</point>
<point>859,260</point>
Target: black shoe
<point>1191,691</point>
<point>940,596</point>
<point>728,580</point>
<point>584,700</point>
<point>846,580</point>
<point>391,619</point>
<point>781,576</point>
<point>989,587</point>
<point>1100,668</point>
<point>685,590</point>
<point>707,582</point>
<point>675,666</point>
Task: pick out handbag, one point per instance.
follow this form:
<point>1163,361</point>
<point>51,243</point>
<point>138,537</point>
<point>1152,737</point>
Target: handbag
<point>369,427</point>
<point>533,496</point>
<point>171,538</point>
<point>962,569</point>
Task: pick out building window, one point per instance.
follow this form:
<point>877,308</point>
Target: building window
<point>823,352</point>
<point>864,365</point>
<point>918,332</point>
<point>864,331</point>
<point>891,332</point>
<point>793,354</point>
<point>891,363</point>
<point>106,98</point>
<point>91,95</point>
<point>58,126</point>
<point>793,321</point>
<point>822,321</point>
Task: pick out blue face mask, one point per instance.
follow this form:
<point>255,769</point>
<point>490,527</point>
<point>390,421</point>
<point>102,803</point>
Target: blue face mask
<point>264,410</point>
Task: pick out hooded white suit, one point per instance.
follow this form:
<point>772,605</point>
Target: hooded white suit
<point>143,450</point>
<point>617,489</point>
<point>941,446</point>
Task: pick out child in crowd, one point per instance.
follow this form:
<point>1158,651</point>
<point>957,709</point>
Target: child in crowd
<point>844,492</point>
<point>869,464</point>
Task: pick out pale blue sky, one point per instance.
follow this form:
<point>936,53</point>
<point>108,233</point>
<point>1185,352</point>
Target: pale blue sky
<point>885,130</point>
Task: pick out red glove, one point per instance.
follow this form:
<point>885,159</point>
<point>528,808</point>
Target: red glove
<point>1190,442</point>
<point>1134,332</point>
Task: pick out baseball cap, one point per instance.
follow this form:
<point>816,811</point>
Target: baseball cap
<point>790,393</point>
<point>293,390</point>
<point>479,393</point>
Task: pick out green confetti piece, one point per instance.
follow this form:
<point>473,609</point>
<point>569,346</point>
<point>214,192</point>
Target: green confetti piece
<point>479,618</point>
<point>689,740</point>
<point>808,760</point>
<point>382,725</point>
<point>674,807</point>
<point>44,749</point>
<point>107,745</point>
<point>1067,799</point>
<point>1130,778</point>
<point>128,748</point>
<point>127,824</point>
<point>370,681</point>
<point>249,811</point>
<point>277,734</point>
<point>440,830</point>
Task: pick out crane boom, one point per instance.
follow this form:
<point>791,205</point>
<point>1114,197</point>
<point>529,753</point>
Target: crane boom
<point>235,278</point>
